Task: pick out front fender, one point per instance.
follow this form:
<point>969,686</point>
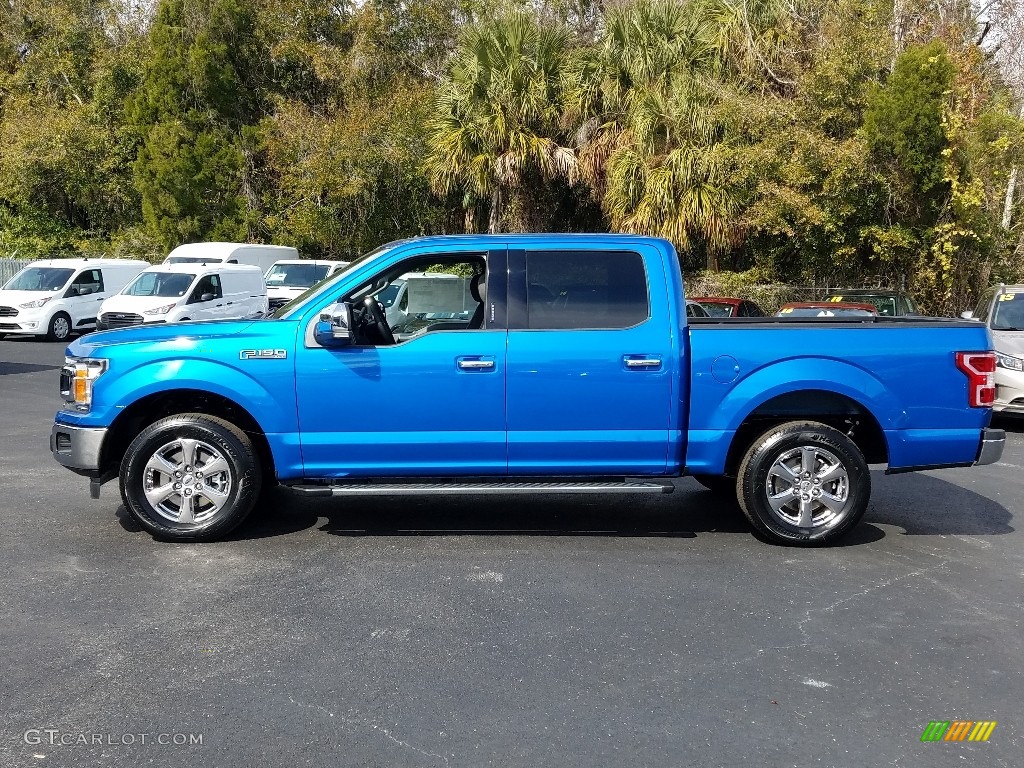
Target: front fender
<point>267,392</point>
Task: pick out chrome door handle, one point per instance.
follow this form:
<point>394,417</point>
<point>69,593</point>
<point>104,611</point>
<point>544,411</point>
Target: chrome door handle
<point>475,365</point>
<point>642,362</point>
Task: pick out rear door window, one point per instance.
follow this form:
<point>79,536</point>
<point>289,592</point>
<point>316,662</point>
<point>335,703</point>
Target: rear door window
<point>586,289</point>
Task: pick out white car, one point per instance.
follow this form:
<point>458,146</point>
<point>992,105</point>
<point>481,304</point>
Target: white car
<point>171,293</point>
<point>55,297</point>
<point>289,278</point>
<point>262,256</point>
<point>1002,310</point>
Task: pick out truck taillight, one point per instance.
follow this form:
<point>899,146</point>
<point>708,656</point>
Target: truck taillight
<point>980,368</point>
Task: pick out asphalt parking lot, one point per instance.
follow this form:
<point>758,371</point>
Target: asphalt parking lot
<point>527,631</point>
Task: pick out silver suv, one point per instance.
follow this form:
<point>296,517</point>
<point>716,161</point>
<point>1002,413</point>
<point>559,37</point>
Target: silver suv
<point>1002,310</point>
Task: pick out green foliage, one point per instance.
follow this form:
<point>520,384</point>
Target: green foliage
<point>191,109</point>
<point>495,127</point>
<point>904,124</point>
<point>796,141</point>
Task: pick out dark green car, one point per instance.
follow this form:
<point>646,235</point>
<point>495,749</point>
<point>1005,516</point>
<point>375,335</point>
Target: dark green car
<point>888,303</point>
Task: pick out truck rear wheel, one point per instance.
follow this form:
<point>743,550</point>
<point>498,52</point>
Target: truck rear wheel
<point>190,477</point>
<point>803,483</point>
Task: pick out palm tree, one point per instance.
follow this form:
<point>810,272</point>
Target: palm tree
<point>652,136</point>
<point>496,122</point>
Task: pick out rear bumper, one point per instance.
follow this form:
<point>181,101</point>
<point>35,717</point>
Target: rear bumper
<point>77,448</point>
<point>991,449</point>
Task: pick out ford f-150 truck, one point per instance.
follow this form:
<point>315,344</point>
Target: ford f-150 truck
<point>578,372</point>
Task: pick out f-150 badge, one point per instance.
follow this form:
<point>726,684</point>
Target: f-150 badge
<point>263,354</point>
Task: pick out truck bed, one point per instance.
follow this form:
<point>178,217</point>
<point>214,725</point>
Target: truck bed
<point>894,376</point>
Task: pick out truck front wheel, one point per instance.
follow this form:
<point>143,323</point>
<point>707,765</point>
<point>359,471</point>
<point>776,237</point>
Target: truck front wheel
<point>190,477</point>
<point>803,483</point>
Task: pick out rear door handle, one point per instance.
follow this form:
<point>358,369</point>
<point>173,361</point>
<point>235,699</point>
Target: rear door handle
<point>475,363</point>
<point>641,361</point>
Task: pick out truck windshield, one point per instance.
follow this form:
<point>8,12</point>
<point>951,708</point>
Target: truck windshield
<point>1008,314</point>
<point>296,275</point>
<point>39,279</point>
<point>169,284</point>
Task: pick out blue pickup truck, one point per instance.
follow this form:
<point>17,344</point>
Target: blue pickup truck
<point>568,365</point>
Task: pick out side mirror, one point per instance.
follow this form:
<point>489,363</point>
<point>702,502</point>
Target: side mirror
<point>968,315</point>
<point>207,297</point>
<point>334,328</point>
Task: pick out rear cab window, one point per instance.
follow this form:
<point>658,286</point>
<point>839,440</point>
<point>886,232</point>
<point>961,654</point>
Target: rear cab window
<point>586,290</point>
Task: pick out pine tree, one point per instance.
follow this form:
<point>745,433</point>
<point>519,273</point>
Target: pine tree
<point>196,100</point>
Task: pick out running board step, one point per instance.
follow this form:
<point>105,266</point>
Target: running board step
<point>459,488</point>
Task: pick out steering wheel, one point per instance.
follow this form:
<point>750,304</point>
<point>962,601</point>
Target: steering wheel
<point>376,324</point>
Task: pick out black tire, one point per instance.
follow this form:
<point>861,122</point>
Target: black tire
<point>718,484</point>
<point>60,327</point>
<point>211,440</point>
<point>835,491</point>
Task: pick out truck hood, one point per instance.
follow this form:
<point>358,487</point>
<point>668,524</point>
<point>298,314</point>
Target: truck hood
<point>1009,342</point>
<point>94,344</point>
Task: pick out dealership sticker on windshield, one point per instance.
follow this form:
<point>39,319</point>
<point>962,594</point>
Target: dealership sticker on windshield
<point>1007,296</point>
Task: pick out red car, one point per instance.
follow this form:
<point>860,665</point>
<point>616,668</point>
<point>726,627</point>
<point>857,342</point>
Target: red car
<point>826,309</point>
<point>719,306</point>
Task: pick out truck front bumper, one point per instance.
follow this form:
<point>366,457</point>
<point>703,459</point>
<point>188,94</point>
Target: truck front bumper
<point>77,448</point>
<point>991,449</point>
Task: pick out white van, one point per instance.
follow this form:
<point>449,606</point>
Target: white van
<point>170,293</point>
<point>54,297</point>
<point>263,256</point>
<point>290,277</point>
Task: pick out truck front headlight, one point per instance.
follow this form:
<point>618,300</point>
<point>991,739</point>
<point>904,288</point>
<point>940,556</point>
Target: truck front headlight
<point>1009,361</point>
<point>77,378</point>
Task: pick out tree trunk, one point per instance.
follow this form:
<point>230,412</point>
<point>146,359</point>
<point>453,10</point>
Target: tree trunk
<point>1011,188</point>
<point>494,224</point>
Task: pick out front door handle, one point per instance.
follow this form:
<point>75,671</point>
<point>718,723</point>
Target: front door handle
<point>641,361</point>
<point>475,363</point>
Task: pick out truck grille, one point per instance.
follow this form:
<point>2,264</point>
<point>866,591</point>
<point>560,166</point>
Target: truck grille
<point>8,312</point>
<point>120,319</point>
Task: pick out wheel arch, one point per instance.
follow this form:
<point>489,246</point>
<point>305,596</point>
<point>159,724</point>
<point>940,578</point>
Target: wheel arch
<point>157,405</point>
<point>837,410</point>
